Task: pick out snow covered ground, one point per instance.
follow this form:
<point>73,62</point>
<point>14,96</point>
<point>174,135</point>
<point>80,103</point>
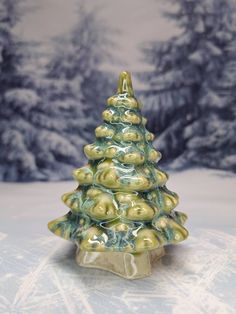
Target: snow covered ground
<point>38,273</point>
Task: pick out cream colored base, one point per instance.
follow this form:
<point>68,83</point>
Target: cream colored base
<point>127,265</point>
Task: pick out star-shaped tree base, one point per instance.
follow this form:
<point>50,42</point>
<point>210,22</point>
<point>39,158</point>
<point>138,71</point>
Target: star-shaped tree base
<point>127,265</point>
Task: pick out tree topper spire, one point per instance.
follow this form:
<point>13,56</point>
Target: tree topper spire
<point>125,84</point>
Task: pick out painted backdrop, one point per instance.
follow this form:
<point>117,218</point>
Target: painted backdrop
<point>59,61</point>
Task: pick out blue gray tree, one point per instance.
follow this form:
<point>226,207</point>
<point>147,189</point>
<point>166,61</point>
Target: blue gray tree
<point>47,113</point>
<point>192,86</point>
<point>16,100</point>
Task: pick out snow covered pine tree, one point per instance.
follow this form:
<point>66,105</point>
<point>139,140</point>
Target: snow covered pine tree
<point>16,162</point>
<point>76,63</point>
<point>72,78</point>
<point>121,207</point>
<point>191,89</point>
<point>42,114</point>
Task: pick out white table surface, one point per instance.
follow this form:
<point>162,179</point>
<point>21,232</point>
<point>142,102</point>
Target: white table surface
<point>38,273</point>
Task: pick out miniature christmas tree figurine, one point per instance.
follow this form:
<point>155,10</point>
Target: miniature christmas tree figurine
<point>121,215</point>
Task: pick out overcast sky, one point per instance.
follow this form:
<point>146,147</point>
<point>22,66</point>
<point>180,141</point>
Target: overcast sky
<point>138,21</point>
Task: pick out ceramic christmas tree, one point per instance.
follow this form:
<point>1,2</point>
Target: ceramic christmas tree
<point>121,214</point>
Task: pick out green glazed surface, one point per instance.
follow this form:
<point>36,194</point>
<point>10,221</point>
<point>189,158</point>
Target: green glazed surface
<point>122,202</point>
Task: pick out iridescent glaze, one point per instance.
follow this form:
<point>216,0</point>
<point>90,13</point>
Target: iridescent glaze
<point>122,203</point>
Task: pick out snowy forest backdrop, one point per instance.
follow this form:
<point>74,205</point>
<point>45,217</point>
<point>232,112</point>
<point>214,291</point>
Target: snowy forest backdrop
<point>51,96</point>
